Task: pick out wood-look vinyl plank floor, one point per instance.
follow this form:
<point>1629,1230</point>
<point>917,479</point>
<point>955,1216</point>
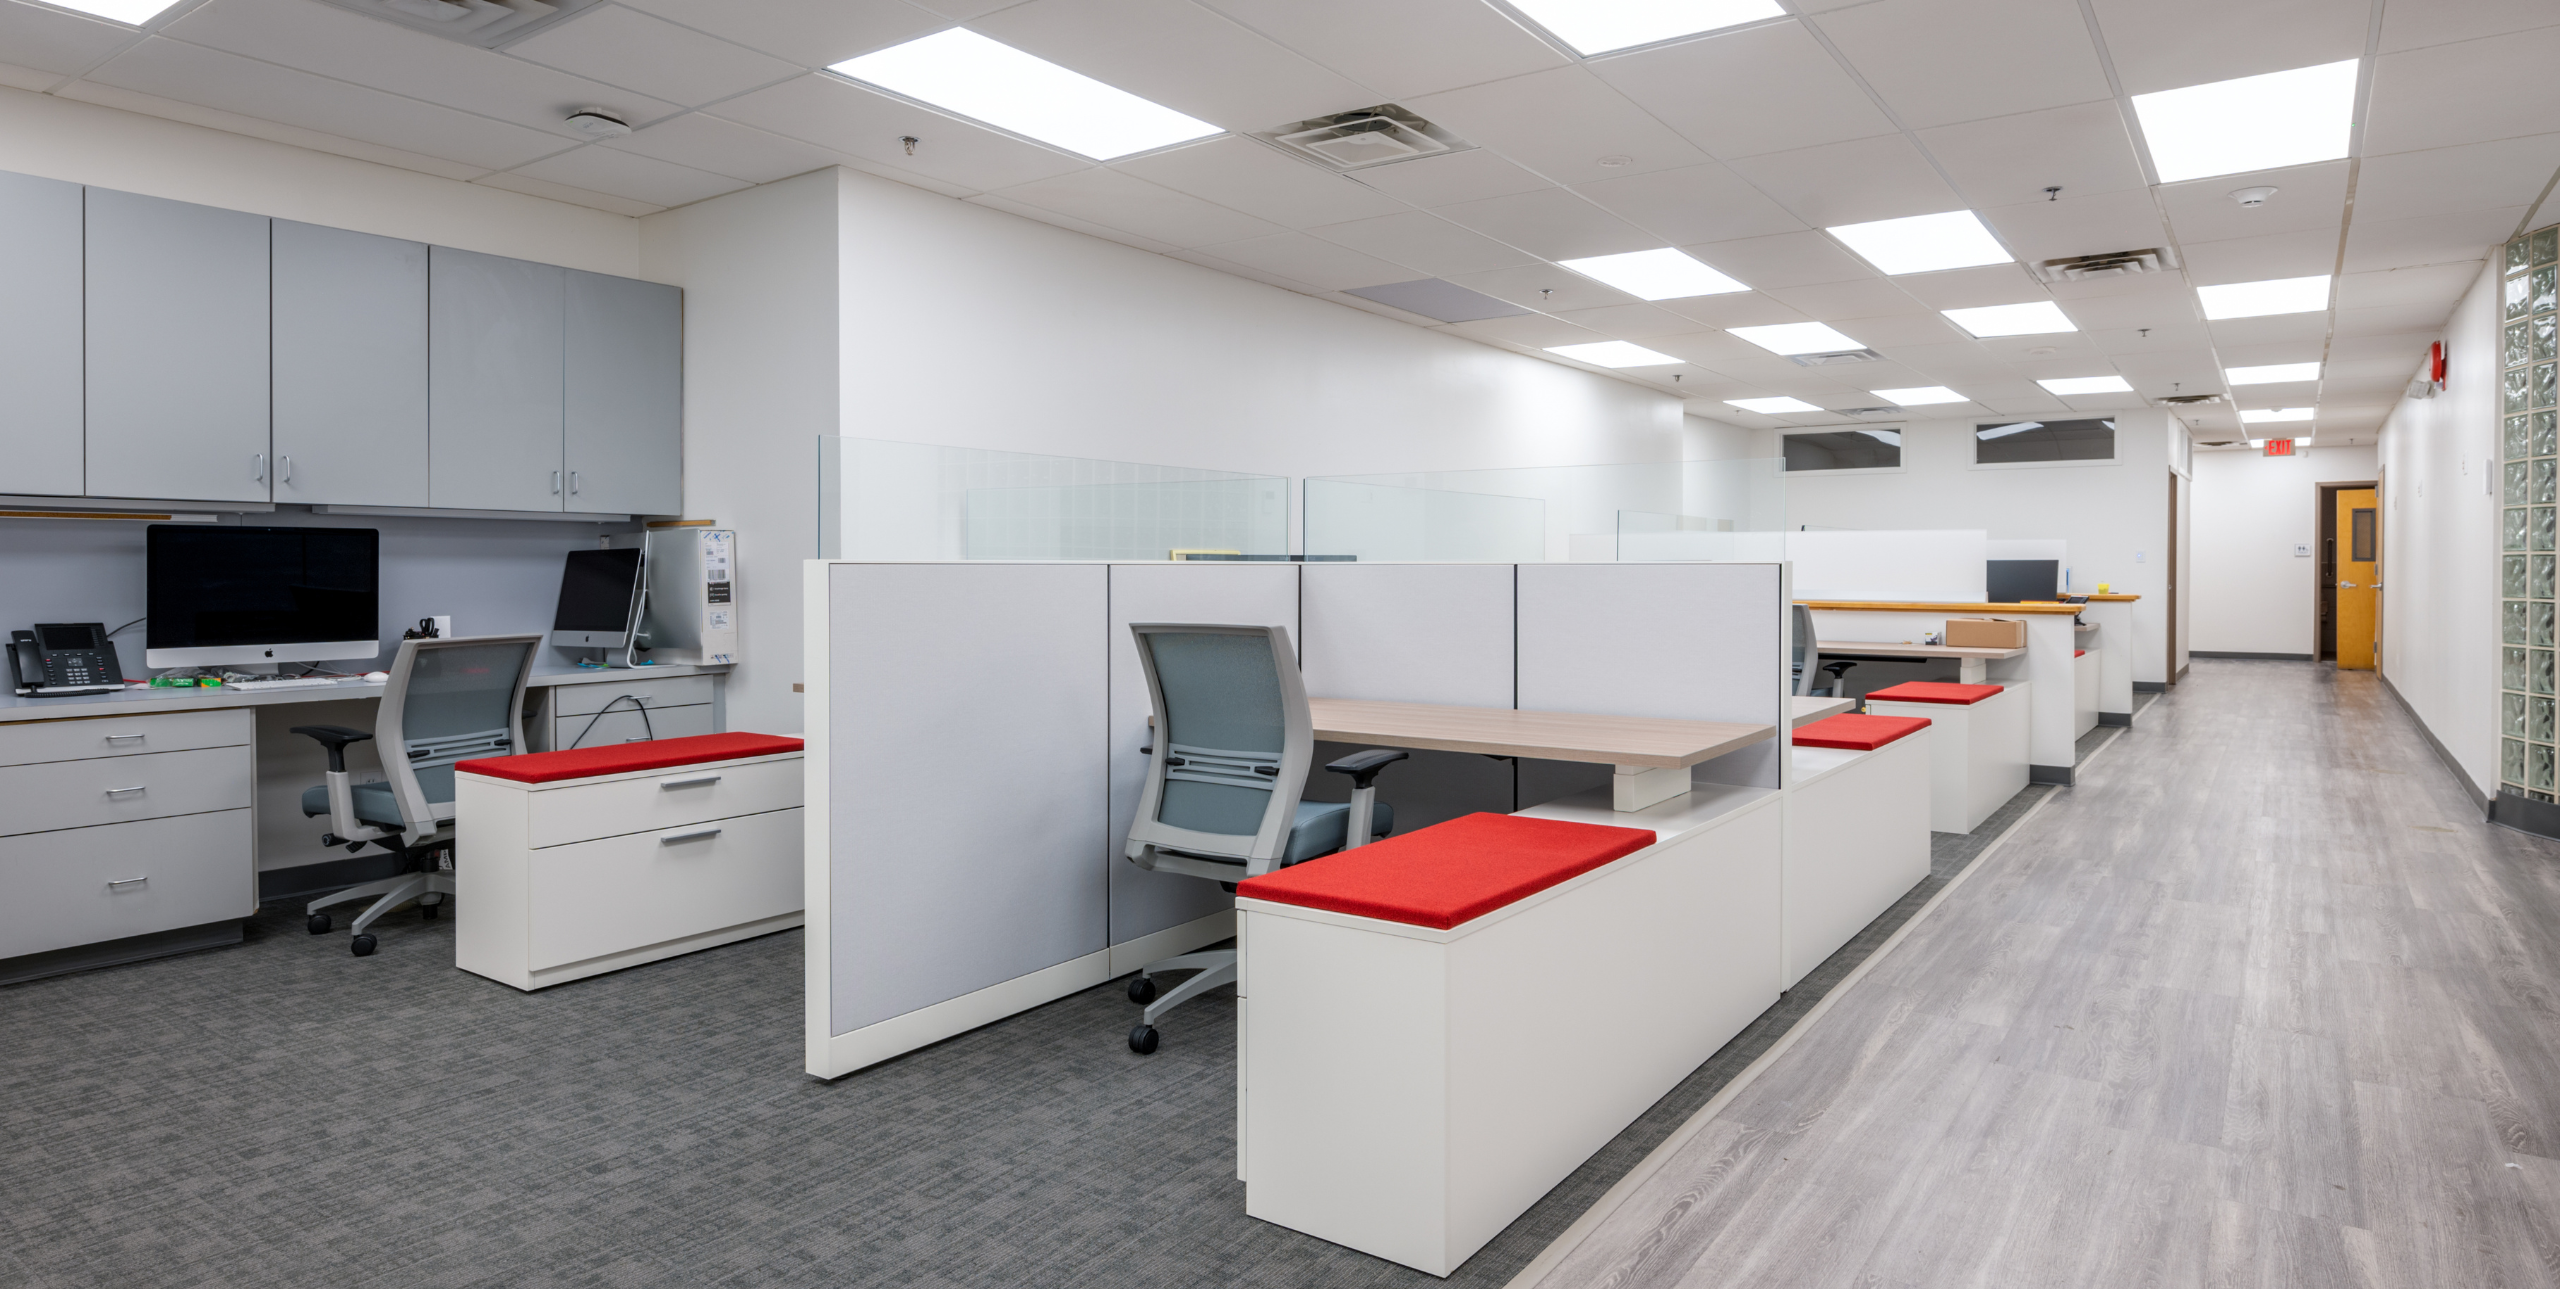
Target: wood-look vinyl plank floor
<point>2259,1002</point>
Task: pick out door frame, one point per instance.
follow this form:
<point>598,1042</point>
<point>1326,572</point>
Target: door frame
<point>2324,501</point>
<point>2170,579</point>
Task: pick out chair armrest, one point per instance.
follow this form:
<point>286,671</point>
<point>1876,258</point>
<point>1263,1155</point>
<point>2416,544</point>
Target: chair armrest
<point>1363,767</point>
<point>335,738</point>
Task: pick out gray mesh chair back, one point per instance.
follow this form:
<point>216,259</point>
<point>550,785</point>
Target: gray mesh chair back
<point>1232,750</point>
<point>1802,651</point>
<point>449,700</point>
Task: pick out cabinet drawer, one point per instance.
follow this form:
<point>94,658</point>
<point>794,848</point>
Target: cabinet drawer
<point>193,870</point>
<point>600,897</point>
<point>119,789</point>
<point>27,742</point>
<point>660,691</point>
<point>627,726</point>
<point>687,794</point>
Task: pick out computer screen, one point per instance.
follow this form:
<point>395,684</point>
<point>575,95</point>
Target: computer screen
<point>220,593</point>
<point>2012,581</point>
<point>597,590</point>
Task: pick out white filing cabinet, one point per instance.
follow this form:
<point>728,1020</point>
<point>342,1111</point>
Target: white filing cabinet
<point>580,876</point>
<point>119,826</point>
<point>606,712</point>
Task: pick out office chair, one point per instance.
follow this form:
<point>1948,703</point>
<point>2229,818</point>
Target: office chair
<point>1229,757</point>
<point>1806,654</point>
<point>448,700</point>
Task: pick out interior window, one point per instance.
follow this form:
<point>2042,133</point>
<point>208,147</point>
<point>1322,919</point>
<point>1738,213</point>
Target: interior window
<point>2016,441</point>
<point>1859,449</point>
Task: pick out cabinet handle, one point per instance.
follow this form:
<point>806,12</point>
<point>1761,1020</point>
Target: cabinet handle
<point>260,473</point>
<point>284,469</point>
<point>128,881</point>
<point>573,481</point>
<point>117,792</point>
<point>555,483</point>
<point>696,781</point>
<point>124,738</point>
<point>698,834</point>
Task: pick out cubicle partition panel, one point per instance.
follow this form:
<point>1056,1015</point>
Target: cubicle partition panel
<point>1415,633</point>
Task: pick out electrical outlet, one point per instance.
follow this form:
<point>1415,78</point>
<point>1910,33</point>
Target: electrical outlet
<point>2301,550</point>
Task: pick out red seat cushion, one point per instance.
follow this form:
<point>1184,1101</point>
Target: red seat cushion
<point>2079,653</point>
<point>627,758</point>
<point>1449,873</point>
<point>1859,733</point>
<point>1935,691</point>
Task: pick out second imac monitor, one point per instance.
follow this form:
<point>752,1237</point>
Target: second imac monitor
<point>599,600</point>
<point>2015,581</point>
<point>220,594</point>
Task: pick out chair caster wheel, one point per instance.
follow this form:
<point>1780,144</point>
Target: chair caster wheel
<point>1142,1040</point>
<point>1142,991</point>
<point>363,945</point>
<point>319,924</point>
<point>429,911</point>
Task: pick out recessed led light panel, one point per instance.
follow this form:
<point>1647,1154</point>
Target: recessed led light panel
<point>1773,406</point>
<point>2034,318</point>
<point>1612,353</point>
<point>1598,26</point>
<point>963,72</point>
<point>2069,385</point>
<point>2275,374</point>
<point>2254,123</point>
<point>2261,415</point>
<point>130,12</point>
<point>1796,338</point>
<point>1665,274</point>
<point>1918,395</point>
<point>1954,239</point>
<point>2261,299</point>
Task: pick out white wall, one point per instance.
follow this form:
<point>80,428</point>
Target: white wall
<point>110,148</point>
<point>2247,591</point>
<point>2439,543</point>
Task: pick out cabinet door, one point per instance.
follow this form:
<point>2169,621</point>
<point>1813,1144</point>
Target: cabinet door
<point>350,367</point>
<point>493,382</point>
<point>625,395</point>
<point>40,419</point>
<point>177,350</point>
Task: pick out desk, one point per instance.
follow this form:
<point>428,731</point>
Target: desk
<point>2046,665</point>
<point>1651,755</point>
<point>139,702</point>
<point>1806,710</point>
<point>1972,664</point>
<point>2115,642</point>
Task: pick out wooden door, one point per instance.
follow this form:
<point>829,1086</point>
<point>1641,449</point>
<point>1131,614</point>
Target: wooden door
<point>2359,568</point>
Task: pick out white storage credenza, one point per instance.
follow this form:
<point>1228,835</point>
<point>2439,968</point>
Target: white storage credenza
<point>1977,745</point>
<point>573,863</point>
<point>1857,829</point>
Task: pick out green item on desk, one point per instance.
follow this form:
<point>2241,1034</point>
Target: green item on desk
<point>209,682</point>
<point>173,682</point>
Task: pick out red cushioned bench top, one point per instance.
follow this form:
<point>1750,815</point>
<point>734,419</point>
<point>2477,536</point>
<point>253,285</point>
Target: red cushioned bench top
<point>1935,691</point>
<point>1449,873</point>
<point>2079,653</point>
<point>627,758</point>
<point>1859,733</point>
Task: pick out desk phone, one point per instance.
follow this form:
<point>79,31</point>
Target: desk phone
<point>64,658</point>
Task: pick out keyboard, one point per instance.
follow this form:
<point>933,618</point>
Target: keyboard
<point>287,682</point>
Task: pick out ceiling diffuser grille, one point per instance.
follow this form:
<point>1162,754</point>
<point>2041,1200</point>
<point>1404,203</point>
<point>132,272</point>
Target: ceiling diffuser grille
<point>1371,136</point>
<point>1835,358</point>
<point>2077,268</point>
<point>486,23</point>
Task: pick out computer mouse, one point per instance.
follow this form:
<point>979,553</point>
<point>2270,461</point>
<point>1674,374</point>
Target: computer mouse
<point>377,675</point>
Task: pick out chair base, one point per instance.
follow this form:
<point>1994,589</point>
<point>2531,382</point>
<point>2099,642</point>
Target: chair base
<point>394,892</point>
<point>1210,968</point>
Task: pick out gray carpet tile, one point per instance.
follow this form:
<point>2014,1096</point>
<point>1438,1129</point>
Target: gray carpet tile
<point>285,1114</point>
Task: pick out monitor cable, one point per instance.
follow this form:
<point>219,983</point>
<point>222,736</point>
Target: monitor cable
<point>636,705</point>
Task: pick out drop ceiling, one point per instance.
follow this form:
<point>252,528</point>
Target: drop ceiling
<point>1738,147</point>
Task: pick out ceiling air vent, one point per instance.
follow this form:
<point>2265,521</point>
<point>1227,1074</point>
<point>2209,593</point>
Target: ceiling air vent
<point>1835,358</point>
<point>1372,136</point>
<point>2188,400</point>
<point>486,23</point>
<point>1869,411</point>
<point>2076,268</point>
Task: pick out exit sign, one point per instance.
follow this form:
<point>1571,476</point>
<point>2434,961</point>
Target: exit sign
<point>2279,447</point>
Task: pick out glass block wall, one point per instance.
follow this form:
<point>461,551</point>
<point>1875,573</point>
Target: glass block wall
<point>2529,404</point>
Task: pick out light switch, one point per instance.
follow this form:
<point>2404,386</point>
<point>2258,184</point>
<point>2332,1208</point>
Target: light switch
<point>2301,550</point>
<point>2137,556</point>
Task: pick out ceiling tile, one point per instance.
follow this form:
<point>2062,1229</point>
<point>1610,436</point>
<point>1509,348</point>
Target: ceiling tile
<point>2433,239</point>
<point>192,74</point>
<point>1941,61</point>
<point>2043,230</point>
<point>1738,309</point>
<point>2275,329</point>
<point>1561,124</point>
<point>1949,359</point>
<point>2152,336</point>
<point>1706,203</point>
<point>1715,350</point>
<point>1402,50</point>
<point>2307,198</point>
<point>1894,333</point>
<point>651,56</point>
<point>1767,89</point>
<point>1423,241</point>
<point>2465,93</point>
<point>1445,180</point>
<point>1850,183</point>
<point>50,40</point>
<point>627,174</point>
<point>1252,274</point>
<point>1567,290</point>
<point>28,78</point>
<point>1181,55</point>
<point>2083,149</point>
<point>2416,26</point>
<point>1311,260</point>
<point>2435,287</point>
<point>549,191</point>
<point>962,10</point>
<point>1551,223</point>
<point>2257,259</point>
<point>2169,44</point>
<point>1630,321</point>
<point>1058,219</point>
<point>1532,329</point>
<point>1244,175</point>
<point>837,114</point>
<point>1783,259</point>
<point>811,33</point>
<point>2477,176</point>
<point>254,127</point>
<point>1441,299</point>
<point>2381,346</point>
<point>1103,196</point>
<point>349,46</point>
<point>725,148</point>
<point>1972,288</point>
<point>1859,298</point>
<point>2166,312</point>
<point>2393,319</point>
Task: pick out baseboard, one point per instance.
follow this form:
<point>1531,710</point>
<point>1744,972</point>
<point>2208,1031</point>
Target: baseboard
<point>2116,718</point>
<point>2479,799</point>
<point>2254,657</point>
<point>1173,941</point>
<point>284,885</point>
<point>2150,687</point>
<point>2525,815</point>
<point>2056,774</point>
<point>110,953</point>
<point>838,1055</point>
<point>2184,669</point>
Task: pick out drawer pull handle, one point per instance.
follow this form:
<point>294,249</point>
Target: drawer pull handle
<point>117,792</point>
<point>125,738</point>
<point>129,881</point>
<point>699,780</point>
<point>698,834</point>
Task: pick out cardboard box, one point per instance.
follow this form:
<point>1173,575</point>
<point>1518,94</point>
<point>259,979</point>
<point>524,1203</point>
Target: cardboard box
<point>1986,633</point>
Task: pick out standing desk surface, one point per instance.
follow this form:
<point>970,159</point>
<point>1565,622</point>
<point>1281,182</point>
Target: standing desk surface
<point>1547,736</point>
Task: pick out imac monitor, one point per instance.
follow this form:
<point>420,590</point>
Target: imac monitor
<point>219,594</point>
<point>2015,581</point>
<point>599,600</point>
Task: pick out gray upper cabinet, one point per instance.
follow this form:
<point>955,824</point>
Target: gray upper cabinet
<point>625,395</point>
<point>177,350</point>
<point>350,367</point>
<point>493,382</point>
<point>40,385</point>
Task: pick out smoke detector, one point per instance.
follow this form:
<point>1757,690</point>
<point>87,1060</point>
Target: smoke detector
<point>1835,358</point>
<point>485,23</point>
<point>2252,197</point>
<point>1371,136</point>
<point>598,122</point>
<point>2080,268</point>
